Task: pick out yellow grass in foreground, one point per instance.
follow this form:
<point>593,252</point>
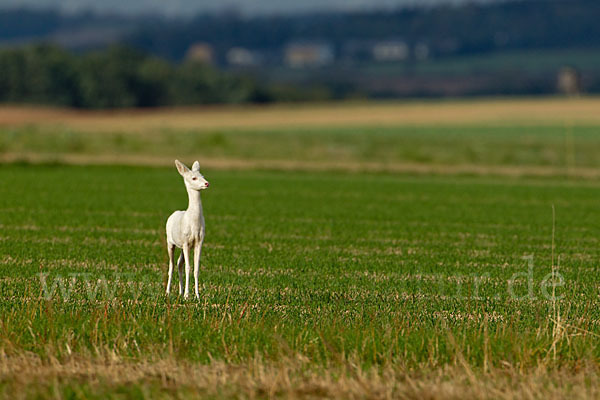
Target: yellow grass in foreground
<point>488,111</point>
<point>28,376</point>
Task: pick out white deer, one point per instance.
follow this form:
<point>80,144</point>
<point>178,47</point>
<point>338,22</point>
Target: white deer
<point>185,229</point>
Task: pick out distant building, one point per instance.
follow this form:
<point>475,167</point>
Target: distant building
<point>395,50</point>
<point>569,81</point>
<point>200,52</point>
<point>308,55</point>
<point>241,57</point>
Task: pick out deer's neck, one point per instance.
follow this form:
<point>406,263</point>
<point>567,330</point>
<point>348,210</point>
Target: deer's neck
<point>195,204</point>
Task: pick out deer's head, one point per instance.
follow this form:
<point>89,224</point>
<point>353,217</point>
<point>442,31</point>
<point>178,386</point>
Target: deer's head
<point>193,179</point>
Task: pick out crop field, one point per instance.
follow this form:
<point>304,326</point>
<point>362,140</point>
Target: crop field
<point>545,137</point>
<point>338,280</point>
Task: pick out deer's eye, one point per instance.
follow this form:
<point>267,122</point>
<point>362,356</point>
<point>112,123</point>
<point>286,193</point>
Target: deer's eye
<point>194,178</point>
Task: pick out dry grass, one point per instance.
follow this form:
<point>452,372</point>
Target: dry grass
<point>25,376</point>
<point>492,111</point>
<point>298,165</point>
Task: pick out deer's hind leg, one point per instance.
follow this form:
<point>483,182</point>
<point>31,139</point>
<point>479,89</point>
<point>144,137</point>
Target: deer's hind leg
<point>170,250</point>
<point>180,263</point>
<point>186,256</point>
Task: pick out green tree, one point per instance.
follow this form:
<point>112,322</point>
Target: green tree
<point>43,74</point>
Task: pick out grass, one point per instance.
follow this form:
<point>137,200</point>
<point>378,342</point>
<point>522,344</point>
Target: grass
<point>528,149</point>
<point>355,251</point>
<point>518,137</point>
<point>343,278</point>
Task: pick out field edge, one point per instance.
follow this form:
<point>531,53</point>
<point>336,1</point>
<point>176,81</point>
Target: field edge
<point>292,378</point>
<point>238,164</point>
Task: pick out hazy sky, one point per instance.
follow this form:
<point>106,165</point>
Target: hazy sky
<point>247,7</point>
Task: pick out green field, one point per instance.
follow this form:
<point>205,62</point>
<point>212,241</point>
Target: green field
<point>512,149</point>
<point>440,250</point>
<point>313,285</point>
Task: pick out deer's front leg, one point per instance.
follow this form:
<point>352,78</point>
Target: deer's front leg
<point>197,252</point>
<point>186,255</point>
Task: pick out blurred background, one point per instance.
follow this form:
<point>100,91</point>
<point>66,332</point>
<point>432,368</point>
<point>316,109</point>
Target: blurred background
<point>146,53</point>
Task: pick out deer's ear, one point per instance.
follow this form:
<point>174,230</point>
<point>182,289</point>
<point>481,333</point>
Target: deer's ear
<point>181,167</point>
<point>196,166</point>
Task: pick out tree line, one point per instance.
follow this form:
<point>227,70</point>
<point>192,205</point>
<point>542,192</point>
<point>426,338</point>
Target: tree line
<point>471,28</point>
<point>124,77</point>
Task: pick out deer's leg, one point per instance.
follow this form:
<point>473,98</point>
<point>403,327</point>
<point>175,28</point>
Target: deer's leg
<point>197,252</point>
<point>186,255</point>
<point>170,250</point>
<point>180,263</point>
